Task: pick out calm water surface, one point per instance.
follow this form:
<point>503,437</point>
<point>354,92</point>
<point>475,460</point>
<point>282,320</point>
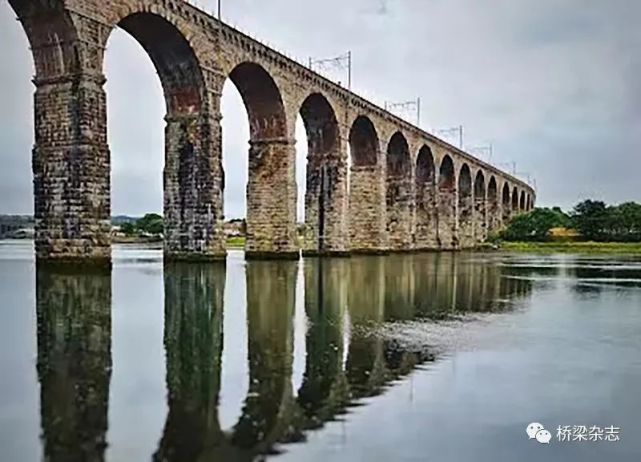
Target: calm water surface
<point>437,357</point>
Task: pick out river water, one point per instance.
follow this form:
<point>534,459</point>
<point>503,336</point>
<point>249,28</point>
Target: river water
<point>443,357</point>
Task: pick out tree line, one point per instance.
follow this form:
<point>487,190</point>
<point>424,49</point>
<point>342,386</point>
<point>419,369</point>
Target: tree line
<point>151,224</point>
<point>593,220</point>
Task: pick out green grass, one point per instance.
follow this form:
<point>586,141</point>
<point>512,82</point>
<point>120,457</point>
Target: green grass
<point>236,243</point>
<point>631,248</point>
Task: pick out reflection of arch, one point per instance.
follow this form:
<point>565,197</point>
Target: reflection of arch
<point>366,193</point>
<point>326,177</point>
<point>399,193</point>
<point>425,190</point>
<point>493,215</point>
<point>448,205</point>
<point>271,190</point>
<point>505,204</point>
<point>324,391</point>
<point>365,365</point>
<point>480,208</point>
<point>466,207</point>
<point>267,412</point>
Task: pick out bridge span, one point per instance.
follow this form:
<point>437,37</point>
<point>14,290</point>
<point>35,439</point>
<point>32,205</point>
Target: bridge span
<point>375,183</point>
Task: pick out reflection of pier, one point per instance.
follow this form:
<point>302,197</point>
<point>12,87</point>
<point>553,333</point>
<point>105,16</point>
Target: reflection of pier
<point>74,362</point>
<point>345,361</point>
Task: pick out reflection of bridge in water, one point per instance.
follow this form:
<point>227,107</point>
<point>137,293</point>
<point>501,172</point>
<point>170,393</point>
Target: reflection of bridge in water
<point>341,296</point>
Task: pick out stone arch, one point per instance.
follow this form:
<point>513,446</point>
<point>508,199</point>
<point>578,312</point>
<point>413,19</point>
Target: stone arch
<point>71,210</point>
<point>399,193</point>
<point>263,102</point>
<point>425,190</point>
<point>193,184</point>
<point>522,202</point>
<point>174,59</point>
<point>71,133</point>
<point>366,190</point>
<point>271,187</point>
<point>493,205</point>
<point>480,208</point>
<point>326,178</point>
<point>448,204</point>
<point>506,204</point>
<point>52,36</point>
<point>466,207</point>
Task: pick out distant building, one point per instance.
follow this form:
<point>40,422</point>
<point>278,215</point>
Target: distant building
<point>235,228</point>
<point>16,227</point>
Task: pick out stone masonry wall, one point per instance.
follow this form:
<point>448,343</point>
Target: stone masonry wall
<point>367,210</point>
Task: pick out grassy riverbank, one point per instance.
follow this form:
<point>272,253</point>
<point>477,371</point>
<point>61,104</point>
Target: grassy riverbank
<point>236,243</point>
<point>616,248</point>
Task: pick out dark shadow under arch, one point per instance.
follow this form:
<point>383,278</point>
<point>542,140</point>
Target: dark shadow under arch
<point>262,99</point>
<point>364,143</point>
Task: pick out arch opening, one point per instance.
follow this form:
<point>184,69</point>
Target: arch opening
<point>493,215</point>
<point>522,207</point>
<point>173,58</point>
<point>325,178</point>
<point>507,207</point>
<point>515,201</point>
<point>426,214</point>
<point>366,193</point>
<point>399,194</point>
<point>193,201</point>
<point>271,193</point>
<point>480,208</point>
<point>466,207</point>
<point>16,185</point>
<point>448,204</point>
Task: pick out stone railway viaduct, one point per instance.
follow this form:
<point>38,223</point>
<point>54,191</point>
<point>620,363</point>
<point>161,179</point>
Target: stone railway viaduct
<point>403,189</point>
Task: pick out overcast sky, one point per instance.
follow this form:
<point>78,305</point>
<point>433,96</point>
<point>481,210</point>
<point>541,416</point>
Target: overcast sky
<point>553,84</point>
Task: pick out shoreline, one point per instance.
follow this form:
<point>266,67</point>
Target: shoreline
<point>589,248</point>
